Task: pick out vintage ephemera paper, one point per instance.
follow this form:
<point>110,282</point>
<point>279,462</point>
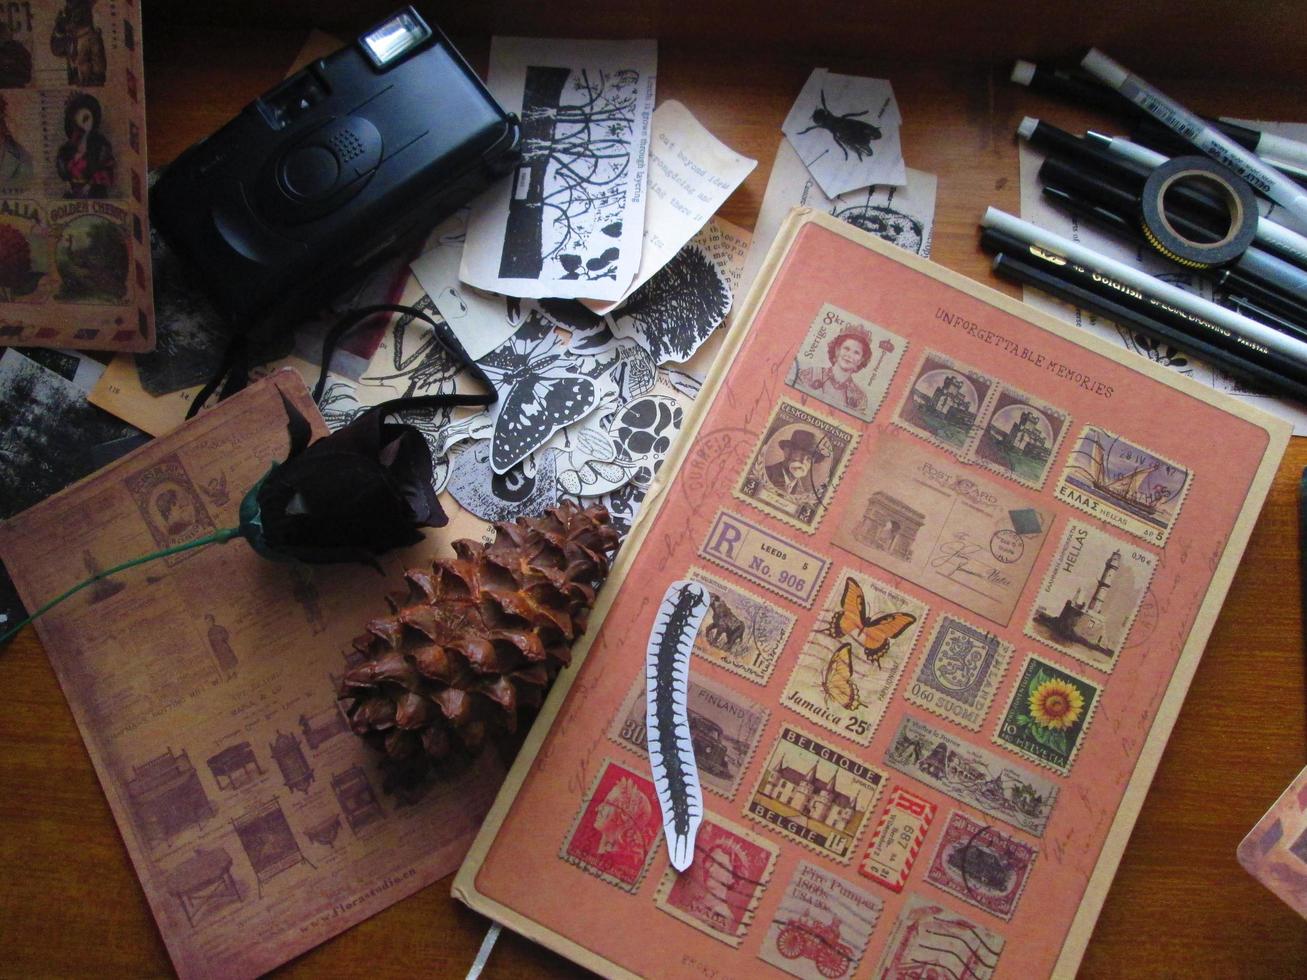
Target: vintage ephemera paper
<point>1275,851</point>
<point>569,221</point>
<point>968,592</point>
<point>74,224</point>
<point>257,823</point>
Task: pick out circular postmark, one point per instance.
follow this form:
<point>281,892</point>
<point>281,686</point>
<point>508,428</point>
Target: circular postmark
<point>1006,546</point>
<point>713,461</point>
<point>1145,621</point>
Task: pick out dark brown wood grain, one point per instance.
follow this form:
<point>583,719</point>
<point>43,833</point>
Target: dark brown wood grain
<point>70,904</point>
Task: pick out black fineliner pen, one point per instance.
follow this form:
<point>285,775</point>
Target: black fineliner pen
<point>1072,85</point>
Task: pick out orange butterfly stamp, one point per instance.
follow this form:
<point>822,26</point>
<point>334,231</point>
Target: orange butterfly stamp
<point>851,662</point>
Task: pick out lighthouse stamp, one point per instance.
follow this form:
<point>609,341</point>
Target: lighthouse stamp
<point>981,864</point>
<point>1091,595</point>
<point>1019,436</point>
<point>1048,714</point>
<point>1123,485</point>
<point>945,402</point>
<point>822,926</point>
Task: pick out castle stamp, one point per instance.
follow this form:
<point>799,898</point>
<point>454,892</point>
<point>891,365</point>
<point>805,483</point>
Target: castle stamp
<point>973,775</point>
<point>742,633</point>
<point>930,940</point>
<point>822,926</point>
<point>1019,436</point>
<point>959,672</point>
<point>765,558</point>
<point>849,666</point>
<point>1123,485</point>
<point>1049,711</point>
<point>616,833</point>
<point>797,465</point>
<point>945,402</point>
<point>846,362</point>
<point>719,893</point>
<point>725,728</point>
<point>814,794</point>
<point>981,864</point>
<point>1091,596</point>
<point>897,839</point>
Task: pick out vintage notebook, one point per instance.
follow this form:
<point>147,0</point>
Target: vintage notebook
<point>74,223</point>
<point>963,561</point>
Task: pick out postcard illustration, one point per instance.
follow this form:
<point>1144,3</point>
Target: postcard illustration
<point>822,926</point>
<point>846,362</point>
<point>1275,851</point>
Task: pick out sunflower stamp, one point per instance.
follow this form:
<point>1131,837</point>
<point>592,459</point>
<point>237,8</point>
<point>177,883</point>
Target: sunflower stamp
<point>847,671</point>
<point>742,633</point>
<point>1123,484</point>
<point>1091,596</point>
<point>1047,715</point>
<point>1019,436</point>
<point>846,362</point>
<point>959,672</point>
<point>822,926</point>
<point>945,402</point>
<point>797,465</point>
<point>719,893</point>
<point>897,839</point>
<point>981,864</point>
<point>814,794</point>
<point>616,832</point>
<point>931,940</point>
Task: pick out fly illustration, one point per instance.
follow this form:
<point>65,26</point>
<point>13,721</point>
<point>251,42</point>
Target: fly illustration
<point>846,129</point>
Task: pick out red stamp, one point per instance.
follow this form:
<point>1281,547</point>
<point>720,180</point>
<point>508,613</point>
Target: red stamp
<point>982,865</point>
<point>822,926</point>
<point>897,839</point>
<point>719,892</point>
<point>616,834</point>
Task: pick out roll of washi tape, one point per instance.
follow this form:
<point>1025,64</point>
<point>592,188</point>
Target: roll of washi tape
<point>1233,191</point>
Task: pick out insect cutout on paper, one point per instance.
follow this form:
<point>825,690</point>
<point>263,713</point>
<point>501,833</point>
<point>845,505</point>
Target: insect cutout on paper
<point>847,130</point>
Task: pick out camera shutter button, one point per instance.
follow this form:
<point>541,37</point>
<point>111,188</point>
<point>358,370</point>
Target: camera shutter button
<point>311,171</point>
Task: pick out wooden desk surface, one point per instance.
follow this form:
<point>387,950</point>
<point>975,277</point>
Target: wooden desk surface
<point>70,904</point>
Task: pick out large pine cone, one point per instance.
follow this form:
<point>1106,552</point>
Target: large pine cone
<point>477,638</point>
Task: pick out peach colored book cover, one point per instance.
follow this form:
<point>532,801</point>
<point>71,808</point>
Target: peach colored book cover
<point>979,609</point>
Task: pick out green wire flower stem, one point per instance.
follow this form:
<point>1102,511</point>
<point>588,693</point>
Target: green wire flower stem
<point>221,536</point>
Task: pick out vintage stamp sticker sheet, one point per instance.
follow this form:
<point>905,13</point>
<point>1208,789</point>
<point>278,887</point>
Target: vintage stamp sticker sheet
<point>846,362</point>
<point>983,865</point>
<point>929,939</point>
<point>896,841</point>
<point>1275,851</point>
<point>958,672</point>
<point>821,927</point>
<point>743,632</point>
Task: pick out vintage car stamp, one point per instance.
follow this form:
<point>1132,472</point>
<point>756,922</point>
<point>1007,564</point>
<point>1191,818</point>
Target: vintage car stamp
<point>765,558</point>
<point>814,794</point>
<point>1019,436</point>
<point>1123,485</point>
<point>1047,716</point>
<point>931,940</point>
<point>846,673</point>
<point>897,839</point>
<point>822,926</point>
<point>959,672</point>
<point>797,465</point>
<point>846,362</point>
<point>742,633</point>
<point>973,775</point>
<point>725,728</point>
<point>1091,595</point>
<point>617,831</point>
<point>945,402</point>
<point>936,524</point>
<point>981,864</point>
<point>719,892</point>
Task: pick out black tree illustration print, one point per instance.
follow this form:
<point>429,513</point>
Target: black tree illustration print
<point>679,307</point>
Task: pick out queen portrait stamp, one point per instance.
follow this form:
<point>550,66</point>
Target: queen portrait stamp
<point>1047,716</point>
<point>742,633</point>
<point>814,794</point>
<point>719,893</point>
<point>931,940</point>
<point>1124,485</point>
<point>1091,596</point>
<point>981,864</point>
<point>974,775</point>
<point>846,673</point>
<point>846,362</point>
<point>945,402</point>
<point>615,834</point>
<point>897,839</point>
<point>822,926</point>
<point>767,559</point>
<point>797,465</point>
<point>959,672</point>
<point>1019,436</point>
<point>725,728</point>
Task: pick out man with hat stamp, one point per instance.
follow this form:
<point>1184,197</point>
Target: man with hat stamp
<point>797,465</point>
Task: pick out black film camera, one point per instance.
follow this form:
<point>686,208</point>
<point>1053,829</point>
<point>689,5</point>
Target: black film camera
<point>350,158</point>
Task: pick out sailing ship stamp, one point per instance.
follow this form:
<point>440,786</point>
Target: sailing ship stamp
<point>846,673</point>
<point>897,839</point>
<point>981,864</point>
<point>1019,437</point>
<point>1049,712</point>
<point>797,465</point>
<point>1123,485</point>
<point>822,926</point>
<point>930,940</point>
<point>959,672</point>
<point>1091,595</point>
<point>846,362</point>
<point>741,633</point>
<point>615,834</point>
<point>945,402</point>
